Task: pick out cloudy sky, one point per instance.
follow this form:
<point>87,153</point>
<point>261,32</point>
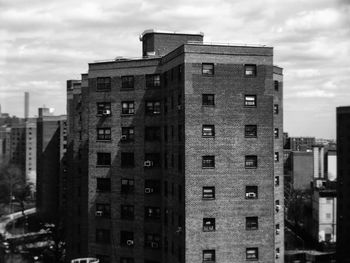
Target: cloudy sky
<point>44,43</point>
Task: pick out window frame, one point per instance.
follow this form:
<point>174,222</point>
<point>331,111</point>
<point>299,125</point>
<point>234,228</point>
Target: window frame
<point>104,237</point>
<point>127,212</point>
<point>251,192</point>
<point>127,188</point>
<point>106,134</point>
<point>101,106</point>
<point>128,82</point>
<point>253,159</point>
<point>155,215</point>
<point>129,133</point>
<point>206,101</point>
<point>255,253</point>
<point>208,69</point>
<point>102,84</point>
<point>275,109</point>
<point>125,159</point>
<point>250,101</point>
<point>276,85</point>
<point>104,208</point>
<point>210,194</point>
<point>208,255</point>
<point>276,133</point>
<point>103,159</point>
<point>251,223</point>
<point>129,109</point>
<point>153,81</point>
<point>153,107</point>
<point>251,131</point>
<point>211,130</point>
<point>250,68</point>
<point>104,183</point>
<point>209,224</point>
<point>208,162</point>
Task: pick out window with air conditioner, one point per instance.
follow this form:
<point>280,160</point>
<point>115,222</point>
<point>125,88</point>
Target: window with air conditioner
<point>208,130</point>
<point>103,210</point>
<point>275,108</point>
<point>208,224</point>
<point>252,253</point>
<point>250,70</point>
<point>251,192</point>
<point>251,161</point>
<point>127,238</point>
<point>208,69</point>
<point>128,134</point>
<point>152,160</point>
<point>209,256</point>
<point>152,187</point>
<point>250,101</point>
<point>208,192</point>
<point>152,241</point>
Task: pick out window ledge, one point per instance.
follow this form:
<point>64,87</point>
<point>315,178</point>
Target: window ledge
<point>103,140</point>
<point>208,167</point>
<point>103,165</point>
<point>255,167</point>
<point>208,199</point>
<point>205,136</point>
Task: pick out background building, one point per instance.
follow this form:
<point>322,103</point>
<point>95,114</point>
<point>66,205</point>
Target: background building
<point>177,156</point>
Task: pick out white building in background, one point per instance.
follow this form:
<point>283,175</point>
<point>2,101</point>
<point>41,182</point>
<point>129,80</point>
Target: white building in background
<point>332,165</point>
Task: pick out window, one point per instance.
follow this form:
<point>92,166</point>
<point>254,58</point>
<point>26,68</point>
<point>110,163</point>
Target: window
<point>250,101</point>
<point>250,131</point>
<point>276,133</point>
<point>103,184</point>
<point>165,105</point>
<point>128,134</point>
<point>275,108</point>
<point>103,258</point>
<point>152,160</point>
<point>152,133</point>
<point>127,159</point>
<point>276,85</point>
<point>152,241</point>
<point>208,161</point>
<point>251,161</point>
<point>250,70</point>
<point>209,255</point>
<point>179,72</point>
<point>278,229</point>
<point>152,107</point>
<point>126,238</point>
<point>252,253</point>
<point>104,134</point>
<point>208,192</point>
<point>208,224</point>
<point>276,157</point>
<point>104,84</point>
<point>128,107</point>
<point>126,260</point>
<point>208,99</point>
<point>277,206</point>
<point>179,133</point>
<point>152,187</point>
<point>251,223</point>
<point>104,159</point>
<point>277,180</point>
<point>103,210</point>
<point>207,69</point>
<point>153,81</point>
<point>152,212</point>
<point>102,236</point>
<point>127,82</point>
<point>251,192</point>
<point>208,130</point>
<point>127,212</point>
<point>127,186</point>
<point>278,252</point>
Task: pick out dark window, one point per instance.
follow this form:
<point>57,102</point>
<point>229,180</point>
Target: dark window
<point>128,107</point>
<point>152,241</point>
<point>278,230</point>
<point>127,82</point>
<point>152,107</point>
<point>127,159</point>
<point>102,236</point>
<point>276,133</point>
<point>208,161</point>
<point>103,158</point>
<point>179,72</point>
<point>103,210</point>
<point>103,184</point>
<point>104,108</point>
<point>153,81</point>
<point>251,161</point>
<point>252,253</point>
<point>165,106</point>
<point>208,69</point>
<point>208,255</point>
<point>179,102</point>
<point>208,130</point>
<point>208,99</point>
<point>179,133</point>
<point>152,187</point>
<point>277,206</point>
<point>251,223</point>
<point>127,212</point>
<point>208,192</point>
<point>104,258</point>
<point>250,100</point>
<point>277,180</point>
<point>126,238</point>
<point>152,212</point>
<point>127,186</point>
<point>250,70</point>
<point>152,133</point>
<point>276,157</point>
<point>276,84</point>
<point>250,131</point>
<point>251,192</point>
<point>179,162</point>
<point>275,108</point>
<point>126,260</point>
<point>152,160</point>
<point>104,134</point>
<point>208,224</point>
<point>104,84</point>
<point>128,134</point>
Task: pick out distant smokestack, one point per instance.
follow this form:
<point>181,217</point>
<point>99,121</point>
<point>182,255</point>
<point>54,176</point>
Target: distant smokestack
<point>26,105</point>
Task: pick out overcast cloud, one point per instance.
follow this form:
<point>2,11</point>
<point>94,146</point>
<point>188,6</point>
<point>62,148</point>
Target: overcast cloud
<point>44,43</point>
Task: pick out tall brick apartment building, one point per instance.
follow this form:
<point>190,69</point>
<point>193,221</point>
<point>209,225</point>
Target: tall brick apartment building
<point>177,156</point>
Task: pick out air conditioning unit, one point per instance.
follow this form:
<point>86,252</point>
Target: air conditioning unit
<point>130,242</point>
<point>148,164</point>
<point>278,208</point>
<point>250,195</point>
<point>123,138</point>
<point>106,112</point>
<point>154,245</point>
<point>278,231</point>
<point>148,190</point>
<point>98,213</point>
<point>277,255</point>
